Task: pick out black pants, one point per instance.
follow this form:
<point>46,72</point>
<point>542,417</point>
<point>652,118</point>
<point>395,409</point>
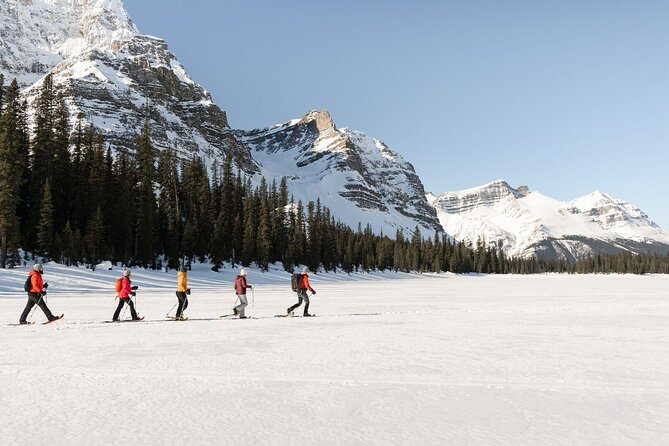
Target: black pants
<point>301,296</point>
<point>121,301</point>
<point>35,299</point>
<point>183,303</point>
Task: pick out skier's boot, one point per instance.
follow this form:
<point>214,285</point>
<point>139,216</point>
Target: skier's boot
<point>235,311</point>
<point>243,317</point>
<point>308,315</point>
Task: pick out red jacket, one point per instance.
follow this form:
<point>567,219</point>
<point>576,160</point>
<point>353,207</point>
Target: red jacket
<point>240,285</point>
<point>36,281</point>
<point>125,288</point>
<point>304,283</point>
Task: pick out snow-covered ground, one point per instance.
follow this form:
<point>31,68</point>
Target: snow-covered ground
<point>457,360</point>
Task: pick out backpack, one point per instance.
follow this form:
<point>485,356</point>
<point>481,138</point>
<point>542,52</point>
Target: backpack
<point>295,280</point>
<point>119,284</point>
<point>28,285</point>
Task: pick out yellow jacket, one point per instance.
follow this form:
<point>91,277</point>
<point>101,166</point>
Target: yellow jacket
<point>182,281</point>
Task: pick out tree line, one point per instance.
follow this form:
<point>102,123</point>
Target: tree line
<point>65,196</point>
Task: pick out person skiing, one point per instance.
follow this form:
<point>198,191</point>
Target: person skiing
<point>240,288</point>
<point>302,294</point>
<point>182,293</point>
<point>36,295</point>
<point>124,297</point>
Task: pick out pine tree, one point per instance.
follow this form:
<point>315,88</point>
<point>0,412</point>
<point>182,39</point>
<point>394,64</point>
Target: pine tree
<point>145,236</point>
<point>45,233</point>
<point>95,238</point>
<point>123,210</point>
<point>169,210</point>
<point>264,238</point>
<point>69,250</point>
<point>249,241</point>
<point>13,142</point>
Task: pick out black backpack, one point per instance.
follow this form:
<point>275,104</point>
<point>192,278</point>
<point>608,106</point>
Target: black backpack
<point>28,285</point>
<point>295,280</point>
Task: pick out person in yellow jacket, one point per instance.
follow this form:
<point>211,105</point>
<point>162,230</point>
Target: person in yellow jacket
<point>182,292</point>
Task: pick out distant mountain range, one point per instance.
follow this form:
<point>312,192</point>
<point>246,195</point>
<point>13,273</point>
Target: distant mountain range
<point>117,78</point>
<point>529,223</point>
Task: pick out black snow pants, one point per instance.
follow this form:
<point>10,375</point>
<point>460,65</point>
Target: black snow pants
<point>121,301</point>
<point>301,296</point>
<point>183,303</point>
<point>35,299</point>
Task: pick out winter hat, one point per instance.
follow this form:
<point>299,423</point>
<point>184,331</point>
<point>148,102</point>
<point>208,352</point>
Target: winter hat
<point>305,270</point>
<point>182,269</point>
<point>38,267</point>
<point>242,272</point>
<point>126,272</point>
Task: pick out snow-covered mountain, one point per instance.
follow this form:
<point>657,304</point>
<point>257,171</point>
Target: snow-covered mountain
<point>358,177</point>
<point>528,223</point>
<point>111,75</point>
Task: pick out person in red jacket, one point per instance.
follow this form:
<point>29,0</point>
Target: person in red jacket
<point>36,295</point>
<point>127,290</point>
<point>302,294</point>
<point>240,288</point>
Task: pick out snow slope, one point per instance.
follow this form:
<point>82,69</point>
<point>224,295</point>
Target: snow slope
<point>529,223</point>
<point>549,360</point>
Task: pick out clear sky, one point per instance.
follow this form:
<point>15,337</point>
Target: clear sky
<point>564,96</point>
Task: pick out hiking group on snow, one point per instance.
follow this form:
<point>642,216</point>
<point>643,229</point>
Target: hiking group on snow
<point>125,291</point>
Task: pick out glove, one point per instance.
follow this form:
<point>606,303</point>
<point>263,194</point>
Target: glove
<point>133,294</point>
<point>46,285</point>
<point>313,292</point>
<point>134,287</point>
<point>188,291</point>
<point>250,287</point>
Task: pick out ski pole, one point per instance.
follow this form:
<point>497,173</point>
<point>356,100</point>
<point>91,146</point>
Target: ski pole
<point>168,313</point>
<point>30,317</point>
<point>253,299</point>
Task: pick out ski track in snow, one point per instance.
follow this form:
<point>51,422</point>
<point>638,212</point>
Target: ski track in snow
<point>475,360</point>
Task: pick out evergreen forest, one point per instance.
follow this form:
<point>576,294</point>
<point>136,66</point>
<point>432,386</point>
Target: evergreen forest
<point>66,196</point>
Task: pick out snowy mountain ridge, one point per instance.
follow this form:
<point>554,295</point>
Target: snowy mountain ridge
<point>529,223</point>
<point>358,177</point>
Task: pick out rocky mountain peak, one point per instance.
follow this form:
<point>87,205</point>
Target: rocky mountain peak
<point>322,119</point>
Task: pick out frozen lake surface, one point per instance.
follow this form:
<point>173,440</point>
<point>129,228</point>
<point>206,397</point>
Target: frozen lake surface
<point>462,360</point>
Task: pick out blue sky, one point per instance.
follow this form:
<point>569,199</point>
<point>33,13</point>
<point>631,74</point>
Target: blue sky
<point>566,97</point>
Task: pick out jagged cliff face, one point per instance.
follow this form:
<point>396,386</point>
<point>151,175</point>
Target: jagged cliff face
<point>528,223</point>
<point>110,74</point>
<point>359,178</point>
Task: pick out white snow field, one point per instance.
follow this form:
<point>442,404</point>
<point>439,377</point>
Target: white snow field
<point>423,360</point>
